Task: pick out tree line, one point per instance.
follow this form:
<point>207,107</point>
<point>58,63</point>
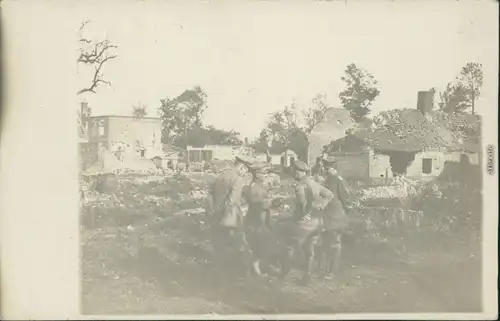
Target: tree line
<point>182,116</point>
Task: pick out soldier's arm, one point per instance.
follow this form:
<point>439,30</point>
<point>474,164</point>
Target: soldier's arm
<point>267,203</point>
<point>300,194</point>
<point>210,189</point>
<point>265,198</point>
<point>115,199</point>
<point>235,195</point>
<point>343,191</point>
<point>246,195</point>
<point>326,196</point>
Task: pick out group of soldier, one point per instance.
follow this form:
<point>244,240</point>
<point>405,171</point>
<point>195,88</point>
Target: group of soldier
<point>315,229</point>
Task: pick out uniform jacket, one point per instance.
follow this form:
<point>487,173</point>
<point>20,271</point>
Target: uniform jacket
<point>311,197</point>
<point>334,215</point>
<point>259,204</point>
<point>226,194</point>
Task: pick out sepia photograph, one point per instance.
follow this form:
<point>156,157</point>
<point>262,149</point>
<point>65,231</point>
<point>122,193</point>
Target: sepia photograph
<point>272,159</point>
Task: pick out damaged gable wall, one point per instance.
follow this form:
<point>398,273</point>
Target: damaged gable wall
<point>119,139</point>
<point>333,127</point>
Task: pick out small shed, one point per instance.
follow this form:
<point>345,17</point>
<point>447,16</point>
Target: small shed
<point>284,158</point>
<point>169,157</point>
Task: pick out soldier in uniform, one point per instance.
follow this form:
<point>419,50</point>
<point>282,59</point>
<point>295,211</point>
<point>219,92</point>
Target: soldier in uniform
<point>258,218</point>
<point>335,220</point>
<point>226,215</point>
<point>317,170</point>
<point>302,231</point>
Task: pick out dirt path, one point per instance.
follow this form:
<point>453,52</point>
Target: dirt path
<point>179,280</point>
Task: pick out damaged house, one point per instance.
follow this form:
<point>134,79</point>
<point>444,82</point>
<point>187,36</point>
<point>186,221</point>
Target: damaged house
<point>334,126</point>
<point>120,141</point>
<point>412,142</point>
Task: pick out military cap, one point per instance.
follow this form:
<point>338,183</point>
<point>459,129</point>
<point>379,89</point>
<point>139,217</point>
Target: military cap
<point>300,166</point>
<point>260,167</point>
<point>329,162</point>
<point>244,160</point>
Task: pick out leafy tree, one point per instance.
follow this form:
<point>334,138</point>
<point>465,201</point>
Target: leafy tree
<point>461,94</point>
<point>183,124</point>
<point>139,111</point>
<point>274,137</point>
<point>193,103</point>
<point>196,136</point>
<point>218,136</point>
<point>283,129</point>
<point>298,142</point>
<point>283,123</point>
<point>182,114</point>
<point>454,99</point>
<point>94,54</point>
<point>361,90</point>
<point>264,142</point>
<point>471,77</point>
<point>209,135</point>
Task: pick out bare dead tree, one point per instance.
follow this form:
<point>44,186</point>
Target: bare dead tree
<point>94,54</point>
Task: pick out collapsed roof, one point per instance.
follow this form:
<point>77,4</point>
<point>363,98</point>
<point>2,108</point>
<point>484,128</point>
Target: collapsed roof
<point>410,130</point>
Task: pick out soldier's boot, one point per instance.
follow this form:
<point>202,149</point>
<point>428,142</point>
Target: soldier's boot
<point>334,260</point>
<point>309,254</point>
<point>323,261</point>
<point>306,279</point>
<point>286,263</point>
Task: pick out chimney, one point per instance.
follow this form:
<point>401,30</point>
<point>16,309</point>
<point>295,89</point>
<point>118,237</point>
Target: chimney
<point>85,110</point>
<point>425,102</point>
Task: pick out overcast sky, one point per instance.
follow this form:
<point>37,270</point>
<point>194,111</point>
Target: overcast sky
<point>253,58</point>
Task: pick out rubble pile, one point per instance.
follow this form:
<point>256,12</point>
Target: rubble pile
<point>377,209</point>
<point>400,188</point>
<point>142,198</point>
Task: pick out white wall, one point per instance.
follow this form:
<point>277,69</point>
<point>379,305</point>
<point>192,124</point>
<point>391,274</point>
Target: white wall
<point>222,152</point>
<point>276,159</point>
<point>261,157</point>
<point>456,156</point>
<point>380,166</point>
<point>415,169</point>
<point>380,163</point>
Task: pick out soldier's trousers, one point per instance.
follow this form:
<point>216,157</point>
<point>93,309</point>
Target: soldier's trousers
<point>299,235</point>
<point>261,242</point>
<point>331,247</point>
<point>331,238</point>
<point>230,247</point>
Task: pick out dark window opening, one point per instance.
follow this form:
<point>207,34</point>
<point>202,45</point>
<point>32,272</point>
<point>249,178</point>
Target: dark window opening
<point>143,152</point>
<point>426,165</point>
<point>464,159</point>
